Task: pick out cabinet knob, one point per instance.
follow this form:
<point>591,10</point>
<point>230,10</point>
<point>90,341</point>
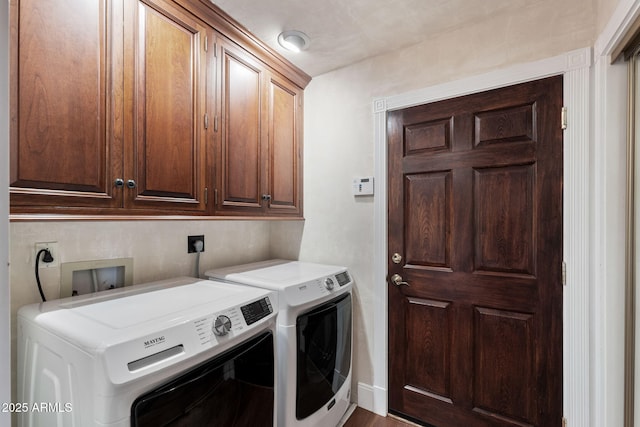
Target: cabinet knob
<point>266,197</point>
<point>131,184</point>
<point>118,183</point>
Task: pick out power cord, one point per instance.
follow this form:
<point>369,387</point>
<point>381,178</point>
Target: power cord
<point>47,258</point>
<point>198,245</point>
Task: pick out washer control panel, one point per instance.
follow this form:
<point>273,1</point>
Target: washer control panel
<point>256,310</point>
<point>232,321</point>
<point>221,325</point>
<point>328,283</point>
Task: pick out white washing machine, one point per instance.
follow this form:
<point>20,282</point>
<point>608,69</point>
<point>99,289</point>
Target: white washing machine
<point>180,352</point>
<point>314,342</point>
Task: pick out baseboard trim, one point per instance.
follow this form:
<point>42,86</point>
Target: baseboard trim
<point>365,396</point>
<point>373,399</point>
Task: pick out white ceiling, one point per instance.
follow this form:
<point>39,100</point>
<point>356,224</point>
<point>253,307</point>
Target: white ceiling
<point>343,32</point>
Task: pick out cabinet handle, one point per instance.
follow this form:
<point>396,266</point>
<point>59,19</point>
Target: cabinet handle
<point>118,183</point>
<point>266,197</point>
<point>131,184</point>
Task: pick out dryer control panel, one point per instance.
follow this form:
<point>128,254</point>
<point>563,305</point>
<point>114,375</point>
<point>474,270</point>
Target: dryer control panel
<point>315,290</point>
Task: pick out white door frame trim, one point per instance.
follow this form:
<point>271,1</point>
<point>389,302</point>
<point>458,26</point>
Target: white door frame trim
<point>575,67</point>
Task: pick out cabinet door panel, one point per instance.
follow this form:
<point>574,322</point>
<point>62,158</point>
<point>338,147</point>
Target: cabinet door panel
<point>285,169</point>
<point>168,105</point>
<point>60,108</point>
<point>241,180</point>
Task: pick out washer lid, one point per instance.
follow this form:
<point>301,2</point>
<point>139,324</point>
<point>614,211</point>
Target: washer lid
<point>162,304</point>
<point>277,274</point>
<point>105,318</point>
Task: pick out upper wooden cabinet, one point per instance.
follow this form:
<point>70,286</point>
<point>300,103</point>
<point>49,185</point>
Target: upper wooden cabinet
<point>260,170</point>
<point>131,107</point>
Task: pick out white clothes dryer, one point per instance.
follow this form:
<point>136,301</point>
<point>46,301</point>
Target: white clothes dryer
<point>314,336</point>
<point>179,352</point>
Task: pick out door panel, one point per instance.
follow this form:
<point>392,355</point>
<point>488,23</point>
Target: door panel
<point>428,219</point>
<point>503,355</point>
<point>504,222</point>
<point>242,150</point>
<point>284,145</point>
<point>61,118</point>
<point>168,103</point>
<point>475,209</point>
<point>430,372</point>
<point>513,124</point>
<point>167,47</point>
<point>432,136</point>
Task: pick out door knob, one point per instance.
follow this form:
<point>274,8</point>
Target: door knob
<point>396,279</point>
<point>118,183</point>
<point>131,184</point>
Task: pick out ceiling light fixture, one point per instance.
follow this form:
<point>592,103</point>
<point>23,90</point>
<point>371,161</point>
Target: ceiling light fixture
<point>293,40</point>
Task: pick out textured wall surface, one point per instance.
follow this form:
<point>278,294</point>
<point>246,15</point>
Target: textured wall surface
<point>605,9</point>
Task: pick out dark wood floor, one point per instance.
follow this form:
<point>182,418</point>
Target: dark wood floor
<point>363,418</point>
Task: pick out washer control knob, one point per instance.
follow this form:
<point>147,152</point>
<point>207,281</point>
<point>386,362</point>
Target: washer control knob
<point>328,283</point>
<point>222,325</point>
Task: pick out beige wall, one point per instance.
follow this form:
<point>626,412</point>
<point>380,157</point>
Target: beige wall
<point>339,131</point>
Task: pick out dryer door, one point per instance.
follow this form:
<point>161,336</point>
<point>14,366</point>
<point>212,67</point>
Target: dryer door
<point>234,389</point>
<point>324,354</point>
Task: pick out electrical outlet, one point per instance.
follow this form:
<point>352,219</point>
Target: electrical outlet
<point>191,240</point>
<point>53,248</point>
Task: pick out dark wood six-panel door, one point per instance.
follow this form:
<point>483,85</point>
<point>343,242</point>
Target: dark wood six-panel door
<point>475,246</point>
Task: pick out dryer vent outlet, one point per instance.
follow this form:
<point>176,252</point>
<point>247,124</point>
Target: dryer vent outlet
<point>192,246</point>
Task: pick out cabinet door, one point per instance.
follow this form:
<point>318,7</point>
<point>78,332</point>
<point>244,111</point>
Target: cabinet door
<point>260,151</point>
<point>241,134</point>
<point>285,151</point>
<point>167,71</point>
<point>63,152</point>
